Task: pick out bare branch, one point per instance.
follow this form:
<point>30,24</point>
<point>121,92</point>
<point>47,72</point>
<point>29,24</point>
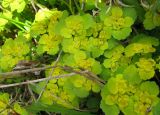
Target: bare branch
<point>31,93</point>
<point>38,80</point>
<point>50,74</point>
<point>144,5</point>
<point>110,5</point>
<point>83,4</point>
<point>122,4</point>
<point>87,74</point>
<point>26,71</point>
<point>33,5</point>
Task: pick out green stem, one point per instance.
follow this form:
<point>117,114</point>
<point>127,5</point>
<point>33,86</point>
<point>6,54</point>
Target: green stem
<point>18,26</point>
<point>16,23</point>
<point>70,8</point>
<point>78,7</point>
<point>12,20</point>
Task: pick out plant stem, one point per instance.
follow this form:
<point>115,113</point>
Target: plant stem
<point>12,20</point>
<point>78,7</point>
<point>38,80</point>
<point>68,5</point>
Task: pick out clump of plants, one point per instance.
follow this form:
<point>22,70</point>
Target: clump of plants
<point>79,57</point>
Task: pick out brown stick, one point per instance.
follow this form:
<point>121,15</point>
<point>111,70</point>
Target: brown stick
<point>26,71</point>
<point>38,80</point>
<point>50,74</point>
<point>87,74</point>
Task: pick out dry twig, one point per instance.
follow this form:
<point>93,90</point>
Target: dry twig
<point>13,73</point>
<point>38,80</point>
<point>31,93</point>
<point>87,74</point>
<point>33,5</point>
<point>50,74</point>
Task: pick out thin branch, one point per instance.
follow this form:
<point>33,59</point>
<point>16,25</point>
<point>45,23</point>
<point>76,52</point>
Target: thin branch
<point>50,74</point>
<point>77,6</point>
<point>144,5</point>
<point>95,76</point>
<point>31,93</point>
<point>87,74</point>
<point>83,4</point>
<point>68,5</point>
<point>122,4</point>
<point>58,58</point>
<point>33,5</point>
<point>1,7</point>
<point>25,71</point>
<point>134,29</point>
<point>110,5</point>
<point>38,80</point>
<point>12,100</point>
<point>96,4</point>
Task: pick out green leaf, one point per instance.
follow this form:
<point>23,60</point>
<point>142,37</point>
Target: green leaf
<point>95,87</point>
<point>122,34</point>
<point>80,92</point>
<point>96,68</point>
<point>128,21</point>
<point>66,32</point>
<point>116,12</point>
<point>8,62</point>
<point>105,74</point>
<point>14,5</point>
<point>52,2</point>
<point>156,19</point>
<point>79,55</point>
<point>146,68</point>
<point>60,24</point>
<point>89,4</point>
<point>129,110</point>
<point>112,43</point>
<point>37,87</point>
<point>49,44</point>
<point>130,12</point>
<point>156,110</point>
<point>54,50</point>
<point>20,110</point>
<point>96,52</point>
<point>109,109</point>
<point>38,28</point>
<point>43,15</point>
<point>108,63</point>
<point>37,107</point>
<point>110,99</point>
<point>114,52</point>
<point>40,49</point>
<point>151,87</point>
<point>105,91</point>
<point>137,6</point>
<point>148,21</point>
<point>88,21</point>
<point>3,21</point>
<point>145,39</point>
<point>102,12</point>
<point>112,85</point>
<point>131,74</point>
<point>4,100</point>
<point>68,59</point>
